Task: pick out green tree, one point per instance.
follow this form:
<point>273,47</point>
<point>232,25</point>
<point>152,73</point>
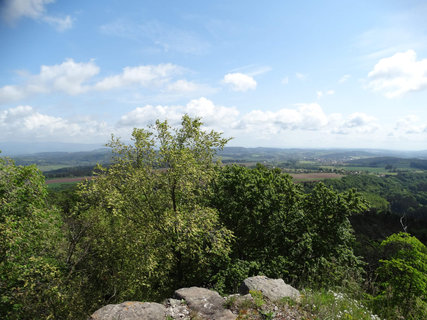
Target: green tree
<point>283,232</point>
<point>402,278</point>
<point>330,258</point>
<point>150,229</point>
<point>31,272</point>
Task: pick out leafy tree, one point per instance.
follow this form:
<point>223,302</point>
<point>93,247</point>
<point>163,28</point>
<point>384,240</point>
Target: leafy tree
<point>284,232</point>
<point>330,258</point>
<point>402,278</point>
<point>30,246</point>
<point>150,230</point>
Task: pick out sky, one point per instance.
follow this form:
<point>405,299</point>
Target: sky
<point>287,74</point>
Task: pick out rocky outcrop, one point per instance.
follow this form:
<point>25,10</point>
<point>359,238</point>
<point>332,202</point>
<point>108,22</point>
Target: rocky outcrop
<point>273,289</point>
<point>196,302</point>
<point>131,310</point>
<point>207,303</point>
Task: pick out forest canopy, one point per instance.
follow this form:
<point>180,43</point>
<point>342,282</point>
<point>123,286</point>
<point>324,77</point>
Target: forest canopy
<point>166,214</point>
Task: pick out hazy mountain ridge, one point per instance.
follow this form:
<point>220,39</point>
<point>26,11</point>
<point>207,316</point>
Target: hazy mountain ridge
<point>260,154</point>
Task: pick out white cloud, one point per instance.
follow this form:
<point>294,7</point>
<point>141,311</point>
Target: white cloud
<point>258,71</point>
<point>140,75</point>
<point>60,24</point>
<point>211,114</point>
<point>300,76</point>
<point>240,82</point>
<point>357,122</point>
<point>11,93</point>
<point>69,77</point>
<point>344,78</point>
<point>410,124</point>
<point>25,123</point>
<point>399,74</point>
<point>13,10</point>
<point>183,86</point>
<point>304,117</point>
<point>321,93</point>
<point>285,81</point>
<point>74,78</point>
<point>304,120</point>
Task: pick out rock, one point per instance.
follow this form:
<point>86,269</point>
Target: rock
<point>131,310</point>
<point>177,309</point>
<point>273,289</point>
<point>208,304</point>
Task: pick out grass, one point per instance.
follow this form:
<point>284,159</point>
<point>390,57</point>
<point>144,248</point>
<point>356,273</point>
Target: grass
<point>368,169</point>
<point>314,305</point>
<point>332,305</point>
<point>61,185</point>
<point>51,167</point>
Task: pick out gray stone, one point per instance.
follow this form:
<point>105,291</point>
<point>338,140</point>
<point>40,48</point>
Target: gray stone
<point>273,289</point>
<point>131,310</point>
<point>208,304</point>
<point>177,309</point>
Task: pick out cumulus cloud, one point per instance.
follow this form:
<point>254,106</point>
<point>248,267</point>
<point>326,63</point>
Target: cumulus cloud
<point>304,117</point>
<point>13,10</point>
<point>26,123</point>
<point>69,77</point>
<point>285,81</point>
<point>140,75</point>
<point>410,124</point>
<point>75,78</point>
<point>357,122</point>
<point>399,74</point>
<point>240,81</point>
<point>212,115</point>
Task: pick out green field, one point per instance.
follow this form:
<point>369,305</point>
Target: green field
<point>376,170</point>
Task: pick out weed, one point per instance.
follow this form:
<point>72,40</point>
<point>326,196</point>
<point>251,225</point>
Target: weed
<point>258,298</point>
<point>230,301</point>
<point>333,305</point>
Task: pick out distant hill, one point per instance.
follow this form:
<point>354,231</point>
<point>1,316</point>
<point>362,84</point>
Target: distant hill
<point>12,148</point>
<point>277,154</point>
<point>57,160</point>
<point>381,162</point>
<point>49,161</point>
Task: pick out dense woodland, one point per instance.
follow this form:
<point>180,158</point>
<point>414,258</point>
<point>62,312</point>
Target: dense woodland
<point>166,214</point>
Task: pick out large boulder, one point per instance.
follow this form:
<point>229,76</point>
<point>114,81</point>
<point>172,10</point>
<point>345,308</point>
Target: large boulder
<point>131,310</point>
<point>207,303</point>
<point>273,289</point>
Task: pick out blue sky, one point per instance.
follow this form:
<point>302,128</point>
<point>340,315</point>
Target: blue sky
<point>307,74</point>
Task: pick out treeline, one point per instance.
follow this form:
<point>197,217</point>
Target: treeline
<point>402,194</point>
<point>138,233</point>
<point>80,171</point>
<point>83,158</point>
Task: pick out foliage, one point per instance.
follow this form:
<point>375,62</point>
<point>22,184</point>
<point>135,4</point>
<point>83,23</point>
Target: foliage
<point>402,278</point>
<point>30,246</point>
<point>149,229</point>
<point>283,232</point>
<point>335,305</point>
